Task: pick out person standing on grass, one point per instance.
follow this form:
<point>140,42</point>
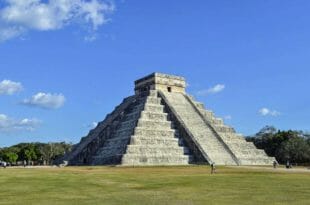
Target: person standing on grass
<point>275,164</point>
<point>287,164</point>
<point>4,164</point>
<point>212,168</point>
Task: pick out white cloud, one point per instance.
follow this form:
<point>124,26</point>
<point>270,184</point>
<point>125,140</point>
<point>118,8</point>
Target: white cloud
<point>264,111</point>
<point>19,16</point>
<point>7,33</point>
<point>46,100</point>
<point>8,124</point>
<point>267,112</point>
<point>8,87</point>
<point>213,90</point>
<point>227,117</point>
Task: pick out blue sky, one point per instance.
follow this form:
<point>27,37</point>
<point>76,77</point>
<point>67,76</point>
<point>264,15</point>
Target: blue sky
<point>67,66</point>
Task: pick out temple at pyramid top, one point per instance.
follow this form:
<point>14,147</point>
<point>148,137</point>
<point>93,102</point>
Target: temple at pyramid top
<point>162,125</point>
<point>160,81</point>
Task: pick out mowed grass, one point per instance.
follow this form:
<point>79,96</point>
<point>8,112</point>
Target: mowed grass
<point>152,185</point>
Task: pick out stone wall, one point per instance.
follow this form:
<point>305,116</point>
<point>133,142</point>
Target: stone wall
<point>163,82</point>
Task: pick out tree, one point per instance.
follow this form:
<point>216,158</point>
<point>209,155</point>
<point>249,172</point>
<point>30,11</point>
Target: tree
<point>44,153</point>
<point>295,150</point>
<point>30,153</point>
<point>10,157</point>
<point>52,151</point>
<point>284,145</point>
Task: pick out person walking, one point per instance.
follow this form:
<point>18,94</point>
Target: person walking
<point>212,168</point>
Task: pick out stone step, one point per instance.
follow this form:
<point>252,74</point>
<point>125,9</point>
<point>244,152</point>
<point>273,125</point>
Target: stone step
<point>208,115</point>
<point>154,116</point>
<point>198,125</point>
<point>153,100</point>
<point>112,149</point>
<point>190,118</point>
<point>154,108</point>
<point>154,133</point>
<point>200,105</point>
<point>215,121</point>
<point>127,124</point>
<point>232,137</point>
<point>124,131</point>
<point>156,150</point>
<point>250,145</point>
<point>154,124</point>
<point>223,128</point>
<point>118,139</point>
<point>101,160</point>
<point>131,159</point>
<point>124,134</point>
<point>132,116</point>
<point>144,140</point>
<point>153,93</point>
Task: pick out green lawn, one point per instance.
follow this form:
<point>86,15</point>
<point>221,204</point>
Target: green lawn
<point>152,185</point>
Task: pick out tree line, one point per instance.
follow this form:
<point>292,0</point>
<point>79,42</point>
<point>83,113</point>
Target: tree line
<point>34,153</point>
<point>290,145</point>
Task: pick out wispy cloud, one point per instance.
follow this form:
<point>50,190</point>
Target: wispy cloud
<point>227,117</point>
<point>19,16</point>
<point>267,112</point>
<point>213,90</point>
<point>8,124</point>
<point>46,100</point>
<point>8,87</point>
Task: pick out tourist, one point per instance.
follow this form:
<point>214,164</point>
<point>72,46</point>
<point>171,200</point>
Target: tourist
<point>275,164</point>
<point>212,168</point>
<point>288,164</point>
<point>4,164</point>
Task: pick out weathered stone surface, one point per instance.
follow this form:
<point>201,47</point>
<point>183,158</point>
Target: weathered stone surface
<point>162,125</point>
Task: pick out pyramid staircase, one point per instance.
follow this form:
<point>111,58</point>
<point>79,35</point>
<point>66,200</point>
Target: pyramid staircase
<point>245,152</point>
<point>219,142</point>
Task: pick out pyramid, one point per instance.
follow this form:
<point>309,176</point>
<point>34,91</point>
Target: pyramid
<point>162,125</point>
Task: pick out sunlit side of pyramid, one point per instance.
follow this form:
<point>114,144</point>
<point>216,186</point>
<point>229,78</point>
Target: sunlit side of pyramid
<point>162,125</point>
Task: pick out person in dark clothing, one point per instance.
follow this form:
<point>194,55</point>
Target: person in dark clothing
<point>212,168</point>
<point>275,164</point>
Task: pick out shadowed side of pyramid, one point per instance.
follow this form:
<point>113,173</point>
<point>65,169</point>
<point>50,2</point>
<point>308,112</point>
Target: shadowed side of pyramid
<point>162,125</point>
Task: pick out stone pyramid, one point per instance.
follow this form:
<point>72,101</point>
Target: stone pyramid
<point>162,125</point>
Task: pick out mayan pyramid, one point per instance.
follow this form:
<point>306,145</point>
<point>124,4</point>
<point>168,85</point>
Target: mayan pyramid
<point>162,125</point>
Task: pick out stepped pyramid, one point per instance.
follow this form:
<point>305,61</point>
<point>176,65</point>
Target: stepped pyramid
<point>162,125</point>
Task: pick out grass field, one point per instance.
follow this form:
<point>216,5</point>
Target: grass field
<point>153,185</point>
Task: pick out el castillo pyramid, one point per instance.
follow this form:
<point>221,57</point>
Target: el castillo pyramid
<point>162,125</point>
